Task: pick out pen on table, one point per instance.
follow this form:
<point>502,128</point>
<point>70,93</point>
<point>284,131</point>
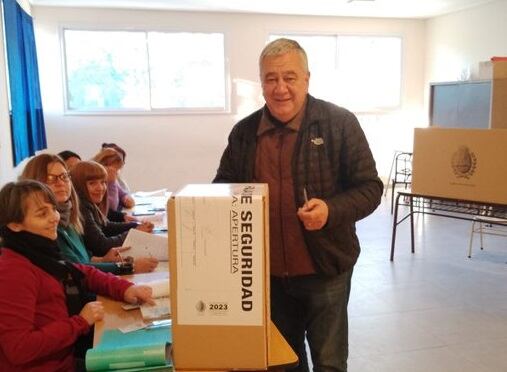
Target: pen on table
<point>157,209</point>
<point>159,323</point>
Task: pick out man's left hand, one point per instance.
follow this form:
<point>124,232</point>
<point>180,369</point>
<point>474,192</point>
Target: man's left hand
<point>314,214</point>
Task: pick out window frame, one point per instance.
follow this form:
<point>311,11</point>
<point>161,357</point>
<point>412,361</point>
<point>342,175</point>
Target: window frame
<point>148,111</point>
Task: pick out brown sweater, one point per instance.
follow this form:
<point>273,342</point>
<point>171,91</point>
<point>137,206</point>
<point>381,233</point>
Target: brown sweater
<point>275,145</point>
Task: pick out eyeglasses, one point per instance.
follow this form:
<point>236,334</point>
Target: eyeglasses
<point>53,178</point>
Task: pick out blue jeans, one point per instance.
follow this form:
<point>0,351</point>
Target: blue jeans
<point>316,307</point>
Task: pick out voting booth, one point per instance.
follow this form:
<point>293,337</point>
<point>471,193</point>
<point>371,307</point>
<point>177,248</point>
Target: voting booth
<point>467,164</point>
<point>219,269</point>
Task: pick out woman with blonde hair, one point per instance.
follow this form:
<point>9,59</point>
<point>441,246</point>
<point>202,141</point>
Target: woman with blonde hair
<point>51,170</point>
<point>112,160</point>
<point>121,181</point>
<point>100,234</point>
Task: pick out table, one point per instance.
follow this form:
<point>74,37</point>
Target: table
<point>151,206</point>
<point>444,207</point>
<point>115,316</point>
<point>280,354</point>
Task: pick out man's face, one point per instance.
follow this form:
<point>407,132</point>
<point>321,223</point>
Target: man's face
<point>284,84</point>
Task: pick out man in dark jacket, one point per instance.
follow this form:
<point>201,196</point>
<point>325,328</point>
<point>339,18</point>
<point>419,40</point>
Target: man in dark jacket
<point>322,179</point>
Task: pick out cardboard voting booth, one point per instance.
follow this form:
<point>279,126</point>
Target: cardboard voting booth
<point>499,95</point>
<point>495,71</point>
<point>461,164</point>
<point>219,267</point>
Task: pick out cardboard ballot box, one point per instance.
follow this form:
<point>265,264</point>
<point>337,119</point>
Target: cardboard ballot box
<point>219,267</point>
<point>499,95</point>
<point>461,163</point>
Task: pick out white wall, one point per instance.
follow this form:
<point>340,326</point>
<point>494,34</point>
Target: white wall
<point>171,150</point>
<point>25,4</point>
<point>458,42</point>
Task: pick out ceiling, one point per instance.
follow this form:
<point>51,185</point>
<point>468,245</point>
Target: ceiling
<point>355,8</point>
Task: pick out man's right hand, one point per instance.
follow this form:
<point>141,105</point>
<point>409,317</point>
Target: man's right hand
<point>314,214</point>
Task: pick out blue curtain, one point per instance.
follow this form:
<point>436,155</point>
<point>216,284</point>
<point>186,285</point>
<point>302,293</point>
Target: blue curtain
<point>27,122</point>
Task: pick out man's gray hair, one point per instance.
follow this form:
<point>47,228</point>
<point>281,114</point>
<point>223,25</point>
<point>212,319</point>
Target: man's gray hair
<point>282,46</point>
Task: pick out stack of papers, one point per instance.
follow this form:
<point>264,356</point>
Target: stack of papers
<point>147,194</point>
<point>151,206</point>
<point>162,308</point>
<point>143,244</point>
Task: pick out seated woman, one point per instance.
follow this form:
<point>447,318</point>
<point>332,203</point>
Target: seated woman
<point>70,158</point>
<point>116,196</point>
<point>42,306</point>
<point>51,170</point>
<point>123,154</point>
<point>100,234</point>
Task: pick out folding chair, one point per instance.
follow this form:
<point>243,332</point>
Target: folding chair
<point>402,166</point>
<point>486,225</point>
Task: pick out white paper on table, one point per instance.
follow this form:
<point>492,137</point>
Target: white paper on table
<point>143,244</point>
<point>160,293</point>
<point>161,309</point>
<point>158,203</point>
<point>144,194</point>
<point>159,288</point>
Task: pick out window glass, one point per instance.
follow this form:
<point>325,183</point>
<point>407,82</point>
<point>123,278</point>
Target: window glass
<point>370,69</point>
<point>187,70</point>
<point>138,70</point>
<point>361,73</point>
<point>106,72</point>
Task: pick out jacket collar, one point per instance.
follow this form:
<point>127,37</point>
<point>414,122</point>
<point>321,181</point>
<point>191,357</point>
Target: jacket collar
<point>312,113</point>
<point>268,122</point>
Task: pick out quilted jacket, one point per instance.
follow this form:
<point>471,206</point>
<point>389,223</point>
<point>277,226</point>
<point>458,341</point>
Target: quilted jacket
<point>333,161</point>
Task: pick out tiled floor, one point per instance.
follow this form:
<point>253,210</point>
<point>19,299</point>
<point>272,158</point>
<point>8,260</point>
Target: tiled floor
<point>435,310</point>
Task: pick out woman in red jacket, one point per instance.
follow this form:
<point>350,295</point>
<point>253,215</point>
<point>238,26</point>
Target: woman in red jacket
<point>42,297</point>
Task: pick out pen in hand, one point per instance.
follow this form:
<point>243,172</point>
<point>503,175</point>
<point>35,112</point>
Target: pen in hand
<point>305,194</point>
<point>120,256</point>
<point>307,207</point>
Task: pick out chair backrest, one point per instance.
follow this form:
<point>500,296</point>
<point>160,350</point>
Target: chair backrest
<point>403,168</point>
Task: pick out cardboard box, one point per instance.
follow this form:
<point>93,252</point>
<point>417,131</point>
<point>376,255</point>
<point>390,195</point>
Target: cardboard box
<point>499,69</point>
<point>219,266</point>
<point>499,95</point>
<point>495,71</point>
<point>496,68</point>
<point>461,163</point>
<point>484,71</point>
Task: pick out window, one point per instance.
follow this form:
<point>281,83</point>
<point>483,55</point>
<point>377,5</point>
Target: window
<point>144,71</point>
<point>361,73</point>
